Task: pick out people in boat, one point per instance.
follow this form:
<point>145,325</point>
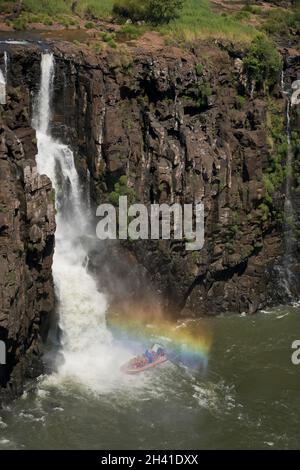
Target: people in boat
<point>139,362</point>
<point>148,357</point>
<point>161,352</point>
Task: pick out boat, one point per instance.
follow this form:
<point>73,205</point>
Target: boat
<point>153,357</point>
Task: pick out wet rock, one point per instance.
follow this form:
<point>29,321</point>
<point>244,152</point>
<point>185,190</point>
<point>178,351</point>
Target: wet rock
<point>181,133</point>
<point>27,226</point>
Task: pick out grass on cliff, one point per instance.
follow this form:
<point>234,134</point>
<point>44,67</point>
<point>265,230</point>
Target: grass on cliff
<point>197,19</point>
<point>49,7</point>
<point>98,8</point>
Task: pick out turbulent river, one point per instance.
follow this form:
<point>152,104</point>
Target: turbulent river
<point>249,397</point>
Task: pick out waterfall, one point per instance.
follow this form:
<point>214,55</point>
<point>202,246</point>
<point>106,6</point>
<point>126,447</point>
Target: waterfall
<point>86,342</point>
<point>3,82</point>
<point>99,159</point>
<point>6,65</point>
<point>289,211</point>
<point>88,193</point>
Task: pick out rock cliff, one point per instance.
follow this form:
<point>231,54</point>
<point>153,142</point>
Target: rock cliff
<point>27,226</point>
<point>183,125</point>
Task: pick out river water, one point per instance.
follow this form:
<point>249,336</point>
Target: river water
<point>248,397</point>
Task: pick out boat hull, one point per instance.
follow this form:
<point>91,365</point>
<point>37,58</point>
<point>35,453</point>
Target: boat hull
<point>128,369</point>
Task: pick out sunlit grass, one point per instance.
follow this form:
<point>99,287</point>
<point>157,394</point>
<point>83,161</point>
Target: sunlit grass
<point>50,7</point>
<point>197,20</point>
<point>99,8</point>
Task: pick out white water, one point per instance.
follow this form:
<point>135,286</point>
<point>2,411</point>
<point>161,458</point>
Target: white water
<point>2,87</point>
<point>289,211</point>
<point>6,64</point>
<point>14,42</point>
<point>88,193</point>
<point>89,357</point>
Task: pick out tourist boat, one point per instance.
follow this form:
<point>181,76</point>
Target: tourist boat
<point>142,363</point>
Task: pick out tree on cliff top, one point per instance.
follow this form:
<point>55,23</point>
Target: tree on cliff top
<point>151,11</point>
<point>263,63</point>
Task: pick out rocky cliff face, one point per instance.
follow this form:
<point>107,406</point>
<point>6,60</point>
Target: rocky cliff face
<point>27,226</point>
<point>183,126</point>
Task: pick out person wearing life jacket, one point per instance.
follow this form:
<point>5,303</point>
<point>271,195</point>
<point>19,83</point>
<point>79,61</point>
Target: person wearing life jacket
<point>149,355</point>
<point>161,352</point>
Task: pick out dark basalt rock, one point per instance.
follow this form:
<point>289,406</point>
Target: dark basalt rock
<point>181,133</point>
<point>27,226</point>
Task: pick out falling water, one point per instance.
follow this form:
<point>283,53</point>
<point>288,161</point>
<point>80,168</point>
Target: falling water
<point>88,192</point>
<point>289,211</point>
<point>100,140</point>
<point>3,84</point>
<point>86,342</point>
<point>6,64</point>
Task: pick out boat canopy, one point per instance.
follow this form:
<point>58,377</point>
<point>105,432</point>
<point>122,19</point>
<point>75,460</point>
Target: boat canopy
<point>156,347</point>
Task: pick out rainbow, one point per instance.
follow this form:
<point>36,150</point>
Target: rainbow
<point>187,342</point>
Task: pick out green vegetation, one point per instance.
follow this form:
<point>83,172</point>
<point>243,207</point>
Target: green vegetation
<point>265,211</point>
<point>95,8</point>
<point>29,246</point>
<point>255,10</point>
<point>151,11</point>
<point>51,196</point>
<point>199,70</point>
<point>275,174</point>
<point>197,97</point>
<point>50,7</point>
<point>19,24</point>
<point>198,19</point>
<point>263,62</point>
<point>280,22</point>
<point>204,92</point>
<point>130,31</point>
<point>180,21</point>
<point>240,101</point>
<point>61,11</point>
<point>186,20</point>
<point>89,25</point>
<point>121,189</point>
<point>109,39</point>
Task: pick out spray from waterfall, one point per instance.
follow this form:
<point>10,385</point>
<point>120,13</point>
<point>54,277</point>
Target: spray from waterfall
<point>86,343</point>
